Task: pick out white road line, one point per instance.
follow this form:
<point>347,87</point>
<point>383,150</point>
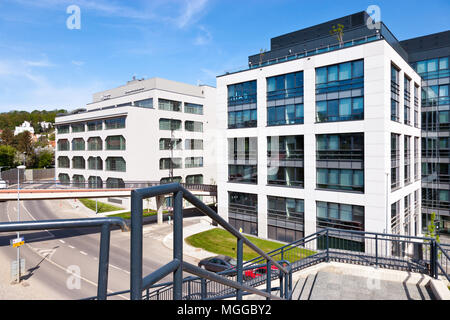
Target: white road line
<point>62,241</point>
<point>82,278</point>
<point>84,253</point>
<point>51,235</point>
<point>71,247</point>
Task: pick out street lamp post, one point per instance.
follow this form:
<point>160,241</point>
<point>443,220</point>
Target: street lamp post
<point>18,220</point>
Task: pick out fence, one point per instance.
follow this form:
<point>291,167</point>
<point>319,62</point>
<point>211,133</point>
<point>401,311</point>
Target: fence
<point>10,176</point>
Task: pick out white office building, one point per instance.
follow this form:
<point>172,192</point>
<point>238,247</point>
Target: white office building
<point>320,133</point>
<point>146,130</point>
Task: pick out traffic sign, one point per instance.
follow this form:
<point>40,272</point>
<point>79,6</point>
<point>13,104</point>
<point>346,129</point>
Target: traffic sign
<point>17,242</point>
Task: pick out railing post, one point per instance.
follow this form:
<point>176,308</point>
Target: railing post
<point>434,257</point>
<point>203,288</point>
<point>328,246</point>
<point>178,244</point>
<point>281,277</point>
<point>239,267</point>
<point>103,262</point>
<point>269,277</point>
<point>376,250</point>
<point>136,247</point>
<point>286,285</point>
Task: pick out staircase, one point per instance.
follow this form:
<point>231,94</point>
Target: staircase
<point>327,285</point>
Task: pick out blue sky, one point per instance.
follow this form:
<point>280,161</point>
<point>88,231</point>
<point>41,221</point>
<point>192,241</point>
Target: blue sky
<point>45,65</point>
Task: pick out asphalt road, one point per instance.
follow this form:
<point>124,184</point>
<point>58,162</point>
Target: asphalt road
<point>50,254</point>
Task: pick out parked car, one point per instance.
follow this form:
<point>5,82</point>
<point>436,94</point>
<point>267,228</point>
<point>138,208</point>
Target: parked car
<point>3,184</point>
<point>258,272</point>
<point>217,263</point>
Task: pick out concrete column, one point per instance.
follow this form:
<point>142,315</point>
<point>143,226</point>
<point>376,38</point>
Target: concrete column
<point>159,209</point>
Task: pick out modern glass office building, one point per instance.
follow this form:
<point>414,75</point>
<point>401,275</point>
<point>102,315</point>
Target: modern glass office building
<point>324,132</point>
<point>429,55</point>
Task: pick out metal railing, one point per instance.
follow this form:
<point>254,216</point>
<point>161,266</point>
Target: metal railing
<point>105,235</point>
<point>59,184</point>
<point>139,284</point>
<point>405,253</point>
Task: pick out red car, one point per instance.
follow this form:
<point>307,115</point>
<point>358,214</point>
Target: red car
<point>258,272</point>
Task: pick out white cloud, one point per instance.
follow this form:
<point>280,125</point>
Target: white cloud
<point>191,12</point>
<point>24,87</point>
<point>203,38</point>
<point>77,63</point>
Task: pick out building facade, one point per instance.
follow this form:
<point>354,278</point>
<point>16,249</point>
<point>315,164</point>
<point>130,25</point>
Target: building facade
<point>429,55</point>
<point>320,133</point>
<point>148,130</point>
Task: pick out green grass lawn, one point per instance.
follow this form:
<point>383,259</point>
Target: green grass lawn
<point>146,213</point>
<point>220,241</point>
<point>101,206</point>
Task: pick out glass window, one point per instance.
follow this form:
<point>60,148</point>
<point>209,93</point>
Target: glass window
<point>322,175</point>
<point>94,125</point>
<point>321,75</point>
<point>115,143</point>
<point>333,142</point>
<point>169,124</point>
<point>345,107</point>
<point>193,108</point>
<point>443,117</point>
<point>194,126</point>
<point>444,195</point>
<point>333,178</point>
<point>432,65</point>
<point>117,123</point>
<point>169,105</point>
<point>115,164</point>
<point>78,127</point>
<point>271,85</point>
<point>358,105</point>
<point>332,73</point>
<point>333,210</point>
<point>358,69</point>
<point>346,212</point>
<point>358,178</point>
<point>443,63</point>
<point>443,91</point>
<point>147,103</point>
<point>333,109</point>
<point>345,71</point>
<point>322,210</point>
<point>95,143</point>
<point>321,107</point>
<point>421,67</point>
<point>290,81</point>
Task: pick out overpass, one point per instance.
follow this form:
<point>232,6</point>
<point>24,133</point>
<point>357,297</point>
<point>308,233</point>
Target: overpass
<point>48,190</point>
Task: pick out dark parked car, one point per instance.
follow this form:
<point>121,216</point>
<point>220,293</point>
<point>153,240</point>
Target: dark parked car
<point>217,263</point>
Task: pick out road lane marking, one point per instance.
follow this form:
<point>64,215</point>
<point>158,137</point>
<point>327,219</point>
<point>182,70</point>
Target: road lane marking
<point>71,247</point>
<point>79,276</point>
<point>51,235</point>
<point>84,253</point>
<point>62,241</point>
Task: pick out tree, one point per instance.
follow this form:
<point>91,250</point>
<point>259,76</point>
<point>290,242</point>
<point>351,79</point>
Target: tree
<point>24,142</point>
<point>44,159</point>
<point>25,145</point>
<point>432,231</point>
<point>7,137</point>
<point>7,156</point>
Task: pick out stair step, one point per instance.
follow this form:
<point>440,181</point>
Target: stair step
<point>304,287</point>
